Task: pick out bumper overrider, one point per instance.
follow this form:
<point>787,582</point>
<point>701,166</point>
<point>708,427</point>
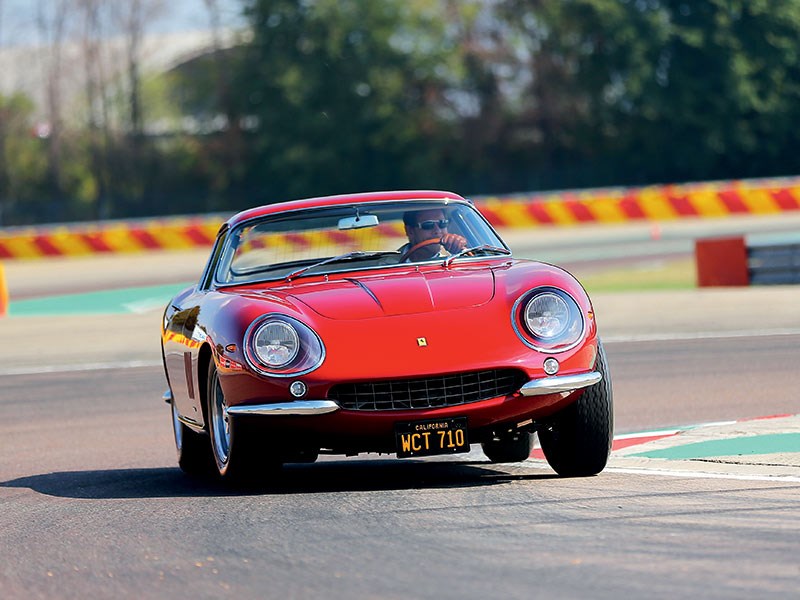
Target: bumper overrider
<point>535,387</point>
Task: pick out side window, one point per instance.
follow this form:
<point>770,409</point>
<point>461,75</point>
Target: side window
<point>460,225</point>
<point>211,265</point>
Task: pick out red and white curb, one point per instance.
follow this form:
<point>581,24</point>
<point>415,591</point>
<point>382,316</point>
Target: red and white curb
<point>626,446</point>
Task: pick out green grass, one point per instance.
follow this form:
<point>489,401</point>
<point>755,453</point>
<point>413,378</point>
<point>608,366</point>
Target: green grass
<point>675,274</point>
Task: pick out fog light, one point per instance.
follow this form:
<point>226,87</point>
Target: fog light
<point>298,389</point>
<point>551,366</point>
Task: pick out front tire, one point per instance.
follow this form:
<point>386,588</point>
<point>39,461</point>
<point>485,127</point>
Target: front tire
<point>194,453</point>
<point>514,447</point>
<point>577,441</point>
<point>238,451</point>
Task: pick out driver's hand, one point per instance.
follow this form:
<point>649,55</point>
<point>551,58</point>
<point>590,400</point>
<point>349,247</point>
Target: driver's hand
<point>453,243</point>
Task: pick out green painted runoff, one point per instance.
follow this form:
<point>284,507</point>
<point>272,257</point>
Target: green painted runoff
<point>758,444</point>
<point>122,301</point>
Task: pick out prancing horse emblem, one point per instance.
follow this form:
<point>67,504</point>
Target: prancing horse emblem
<point>422,342</point>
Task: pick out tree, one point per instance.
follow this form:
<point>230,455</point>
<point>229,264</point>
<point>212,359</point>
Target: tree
<point>23,166</point>
<point>137,165</point>
<point>675,90</point>
<point>345,93</point>
<point>92,34</point>
<point>52,22</point>
<point>728,78</point>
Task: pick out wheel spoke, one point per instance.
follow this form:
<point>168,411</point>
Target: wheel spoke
<point>219,422</point>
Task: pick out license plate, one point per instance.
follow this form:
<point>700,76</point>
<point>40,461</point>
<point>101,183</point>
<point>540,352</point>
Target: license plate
<point>437,436</point>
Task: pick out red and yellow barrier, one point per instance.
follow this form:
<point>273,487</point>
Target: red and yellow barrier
<point>601,206</point>
<point>658,203</point>
<point>114,237</point>
<point>3,292</point>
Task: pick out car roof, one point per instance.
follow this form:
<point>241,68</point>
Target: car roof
<point>278,207</point>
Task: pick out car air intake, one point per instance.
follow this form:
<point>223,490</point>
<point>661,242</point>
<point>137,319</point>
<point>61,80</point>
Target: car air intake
<point>431,392</point>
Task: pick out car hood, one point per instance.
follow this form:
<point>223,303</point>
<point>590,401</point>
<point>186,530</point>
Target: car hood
<point>361,297</point>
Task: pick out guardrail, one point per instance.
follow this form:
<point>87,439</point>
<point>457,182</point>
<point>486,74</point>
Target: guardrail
<point>732,261</point>
<point>770,264</point>
<point>566,208</point>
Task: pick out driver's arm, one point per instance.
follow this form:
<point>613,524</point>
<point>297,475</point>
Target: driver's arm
<point>453,243</point>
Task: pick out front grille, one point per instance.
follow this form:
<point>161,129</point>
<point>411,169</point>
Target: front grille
<point>431,392</point>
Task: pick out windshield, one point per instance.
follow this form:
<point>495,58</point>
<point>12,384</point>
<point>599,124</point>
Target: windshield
<point>346,238</point>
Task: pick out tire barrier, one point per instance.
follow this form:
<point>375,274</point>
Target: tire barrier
<point>732,262</point>
<point>599,206</point>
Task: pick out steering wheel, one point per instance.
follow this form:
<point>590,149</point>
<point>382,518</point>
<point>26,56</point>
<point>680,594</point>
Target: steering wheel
<point>418,246</point>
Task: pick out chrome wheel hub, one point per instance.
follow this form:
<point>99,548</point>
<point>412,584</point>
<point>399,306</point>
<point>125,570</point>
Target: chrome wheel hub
<point>220,424</point>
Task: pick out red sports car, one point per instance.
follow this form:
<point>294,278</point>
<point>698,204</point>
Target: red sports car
<point>392,322</point>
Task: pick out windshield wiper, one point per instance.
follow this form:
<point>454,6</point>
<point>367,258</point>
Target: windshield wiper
<point>481,248</point>
<point>346,256</point>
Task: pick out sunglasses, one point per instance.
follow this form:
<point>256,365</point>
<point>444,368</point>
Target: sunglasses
<point>442,223</point>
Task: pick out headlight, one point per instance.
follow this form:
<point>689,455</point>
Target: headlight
<point>276,343</point>
<point>282,346</point>
<point>547,315</point>
<point>551,320</point>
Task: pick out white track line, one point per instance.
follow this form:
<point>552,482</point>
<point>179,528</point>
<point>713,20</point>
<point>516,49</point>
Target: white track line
<point>130,364</point>
<point>697,335</point>
<point>703,475</point>
<point>535,464</point>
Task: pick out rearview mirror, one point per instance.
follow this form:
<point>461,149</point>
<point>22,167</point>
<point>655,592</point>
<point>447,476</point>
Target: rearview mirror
<point>358,222</point>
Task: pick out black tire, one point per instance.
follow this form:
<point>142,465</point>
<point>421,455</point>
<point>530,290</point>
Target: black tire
<point>193,449</point>
<point>239,452</point>
<point>301,455</point>
<point>514,447</point>
<point>577,441</point>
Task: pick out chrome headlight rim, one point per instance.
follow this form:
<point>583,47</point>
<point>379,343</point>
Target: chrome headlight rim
<point>309,356</point>
<point>535,342</point>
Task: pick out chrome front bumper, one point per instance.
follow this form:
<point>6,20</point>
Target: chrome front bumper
<point>535,387</point>
<point>288,409</point>
<point>560,384</point>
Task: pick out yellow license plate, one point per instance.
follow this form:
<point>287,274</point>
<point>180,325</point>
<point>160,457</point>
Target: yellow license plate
<point>436,436</point>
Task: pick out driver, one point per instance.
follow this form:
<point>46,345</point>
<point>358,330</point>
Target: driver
<point>424,225</point>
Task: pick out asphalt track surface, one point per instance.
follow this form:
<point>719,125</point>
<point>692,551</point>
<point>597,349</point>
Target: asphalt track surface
<point>94,506</point>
